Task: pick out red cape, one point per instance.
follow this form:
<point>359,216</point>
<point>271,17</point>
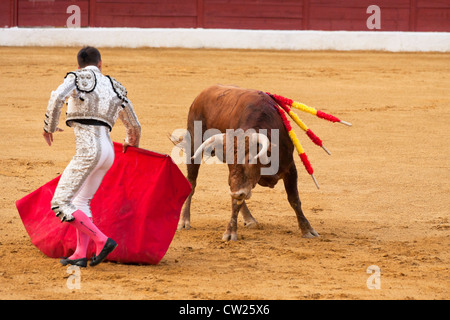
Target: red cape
<point>138,205</point>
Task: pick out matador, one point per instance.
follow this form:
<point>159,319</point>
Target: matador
<point>95,101</point>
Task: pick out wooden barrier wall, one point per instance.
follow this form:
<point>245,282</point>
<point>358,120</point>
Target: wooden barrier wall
<point>396,15</point>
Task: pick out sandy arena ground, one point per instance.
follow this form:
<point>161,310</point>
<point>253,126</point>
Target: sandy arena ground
<point>384,197</point>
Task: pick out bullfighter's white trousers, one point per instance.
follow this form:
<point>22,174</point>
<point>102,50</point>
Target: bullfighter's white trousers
<point>82,177</point>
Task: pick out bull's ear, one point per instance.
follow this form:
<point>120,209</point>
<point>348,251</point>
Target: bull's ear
<point>177,141</point>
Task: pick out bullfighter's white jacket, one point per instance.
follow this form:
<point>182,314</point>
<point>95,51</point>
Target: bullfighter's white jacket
<point>93,96</point>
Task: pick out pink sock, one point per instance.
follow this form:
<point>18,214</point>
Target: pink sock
<point>85,225</point>
<point>82,245</point>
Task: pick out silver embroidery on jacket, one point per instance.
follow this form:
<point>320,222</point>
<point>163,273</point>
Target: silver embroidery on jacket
<point>57,99</point>
<point>85,80</point>
<point>105,102</point>
<point>119,89</point>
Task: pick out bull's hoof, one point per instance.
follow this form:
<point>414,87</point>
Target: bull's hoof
<point>229,236</point>
<point>310,234</point>
<point>251,224</point>
<point>184,224</point>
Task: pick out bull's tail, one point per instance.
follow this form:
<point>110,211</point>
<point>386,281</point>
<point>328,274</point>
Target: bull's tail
<point>286,105</point>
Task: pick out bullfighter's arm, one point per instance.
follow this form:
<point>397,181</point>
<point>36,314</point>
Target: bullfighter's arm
<point>132,125</point>
<point>57,99</point>
<point>53,112</point>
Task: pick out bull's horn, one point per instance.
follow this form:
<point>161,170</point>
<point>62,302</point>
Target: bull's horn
<point>261,138</point>
<point>213,140</point>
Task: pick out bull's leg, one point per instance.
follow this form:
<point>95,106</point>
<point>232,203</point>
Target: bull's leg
<point>185,219</point>
<point>249,221</point>
<point>231,231</point>
<point>290,184</point>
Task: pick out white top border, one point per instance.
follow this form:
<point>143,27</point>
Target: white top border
<point>228,39</point>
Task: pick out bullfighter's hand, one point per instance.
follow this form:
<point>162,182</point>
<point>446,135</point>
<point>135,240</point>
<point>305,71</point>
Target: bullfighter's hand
<point>48,136</point>
<point>125,146</point>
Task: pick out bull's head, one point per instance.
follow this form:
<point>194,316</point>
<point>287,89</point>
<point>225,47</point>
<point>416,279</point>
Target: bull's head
<point>242,156</point>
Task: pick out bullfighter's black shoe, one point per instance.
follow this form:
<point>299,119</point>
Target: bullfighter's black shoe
<point>75,262</point>
<point>109,247</point>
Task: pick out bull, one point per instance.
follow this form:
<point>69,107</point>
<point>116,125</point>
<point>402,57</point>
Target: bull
<point>222,108</point>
